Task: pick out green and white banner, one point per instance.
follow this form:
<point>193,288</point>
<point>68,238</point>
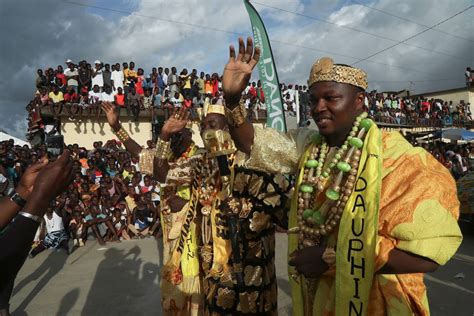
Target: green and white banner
<point>267,71</point>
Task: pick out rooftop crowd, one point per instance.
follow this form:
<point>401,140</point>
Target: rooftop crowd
<point>79,89</point>
<point>417,110</point>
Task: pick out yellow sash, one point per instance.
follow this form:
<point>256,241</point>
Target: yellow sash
<point>356,243</point>
<point>357,239</point>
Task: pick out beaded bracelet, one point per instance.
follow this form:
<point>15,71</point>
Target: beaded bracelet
<point>163,149</point>
<point>238,115</point>
<point>122,135</point>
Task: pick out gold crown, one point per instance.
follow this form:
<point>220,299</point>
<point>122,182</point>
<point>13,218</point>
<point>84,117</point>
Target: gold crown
<point>324,69</point>
<point>209,108</point>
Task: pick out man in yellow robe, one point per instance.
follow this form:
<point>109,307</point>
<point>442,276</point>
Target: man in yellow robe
<point>397,220</point>
<point>172,164</point>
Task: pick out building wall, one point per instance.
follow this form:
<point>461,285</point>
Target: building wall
<point>87,132</point>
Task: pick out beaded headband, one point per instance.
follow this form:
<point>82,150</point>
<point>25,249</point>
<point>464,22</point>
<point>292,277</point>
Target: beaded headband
<point>324,69</point>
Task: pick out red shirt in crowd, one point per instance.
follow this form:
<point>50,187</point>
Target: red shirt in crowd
<point>71,97</point>
<point>261,95</point>
<point>120,100</point>
<point>139,85</point>
<point>253,91</point>
<point>62,77</point>
<point>188,103</point>
<point>425,106</point>
<point>215,87</point>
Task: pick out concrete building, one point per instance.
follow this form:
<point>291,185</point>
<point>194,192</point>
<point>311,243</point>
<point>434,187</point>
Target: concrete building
<point>456,95</point>
<point>88,129</point>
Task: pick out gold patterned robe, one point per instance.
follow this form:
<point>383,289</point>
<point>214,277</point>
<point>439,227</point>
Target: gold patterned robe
<point>239,267</point>
<point>418,213</point>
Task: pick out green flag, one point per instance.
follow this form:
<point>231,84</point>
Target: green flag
<point>267,71</point>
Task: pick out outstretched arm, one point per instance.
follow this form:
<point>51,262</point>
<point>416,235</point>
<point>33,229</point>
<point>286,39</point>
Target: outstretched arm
<point>113,118</point>
<point>400,262</point>
<point>24,189</point>
<point>309,262</point>
<point>236,76</point>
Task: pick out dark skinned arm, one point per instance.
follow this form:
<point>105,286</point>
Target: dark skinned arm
<point>236,76</point>
<point>16,240</point>
<point>160,169</point>
<point>113,118</point>
<point>170,127</point>
<point>8,208</point>
<point>399,262</point>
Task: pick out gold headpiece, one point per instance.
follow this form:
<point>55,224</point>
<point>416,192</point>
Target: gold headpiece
<point>209,108</point>
<point>324,69</point>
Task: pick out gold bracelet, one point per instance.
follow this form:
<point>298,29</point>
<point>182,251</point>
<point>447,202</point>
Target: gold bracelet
<point>163,149</point>
<point>122,135</point>
<point>238,115</point>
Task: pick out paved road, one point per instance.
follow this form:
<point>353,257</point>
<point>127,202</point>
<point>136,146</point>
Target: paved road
<point>122,279</point>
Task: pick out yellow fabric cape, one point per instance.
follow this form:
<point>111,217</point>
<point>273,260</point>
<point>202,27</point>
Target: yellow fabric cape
<point>356,246</point>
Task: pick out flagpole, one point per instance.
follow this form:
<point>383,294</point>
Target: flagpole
<point>267,71</point>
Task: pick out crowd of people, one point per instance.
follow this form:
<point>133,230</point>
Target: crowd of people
<point>82,87</point>
<point>417,111</point>
<point>108,197</point>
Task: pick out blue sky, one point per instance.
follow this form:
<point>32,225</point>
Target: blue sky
<point>40,34</point>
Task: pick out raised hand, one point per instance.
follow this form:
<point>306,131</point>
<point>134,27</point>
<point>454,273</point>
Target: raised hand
<point>175,123</point>
<point>53,179</point>
<point>238,70</point>
<point>112,115</point>
<point>27,181</point>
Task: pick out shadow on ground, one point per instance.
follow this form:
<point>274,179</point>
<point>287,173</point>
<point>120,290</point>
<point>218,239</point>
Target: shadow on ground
<point>121,284</point>
<point>41,276</point>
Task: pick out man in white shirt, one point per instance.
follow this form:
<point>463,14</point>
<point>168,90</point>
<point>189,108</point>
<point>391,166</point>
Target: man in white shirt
<point>107,95</point>
<point>173,81</point>
<point>165,77</point>
<point>72,75</point>
<point>95,95</point>
<point>117,78</point>
<point>97,78</point>
<point>468,74</point>
<point>176,100</point>
<point>55,234</point>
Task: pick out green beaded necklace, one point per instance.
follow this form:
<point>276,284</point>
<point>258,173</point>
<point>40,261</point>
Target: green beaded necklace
<point>314,223</point>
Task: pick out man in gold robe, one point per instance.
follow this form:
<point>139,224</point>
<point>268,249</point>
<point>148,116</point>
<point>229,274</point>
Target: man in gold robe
<point>370,213</point>
<point>238,208</point>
